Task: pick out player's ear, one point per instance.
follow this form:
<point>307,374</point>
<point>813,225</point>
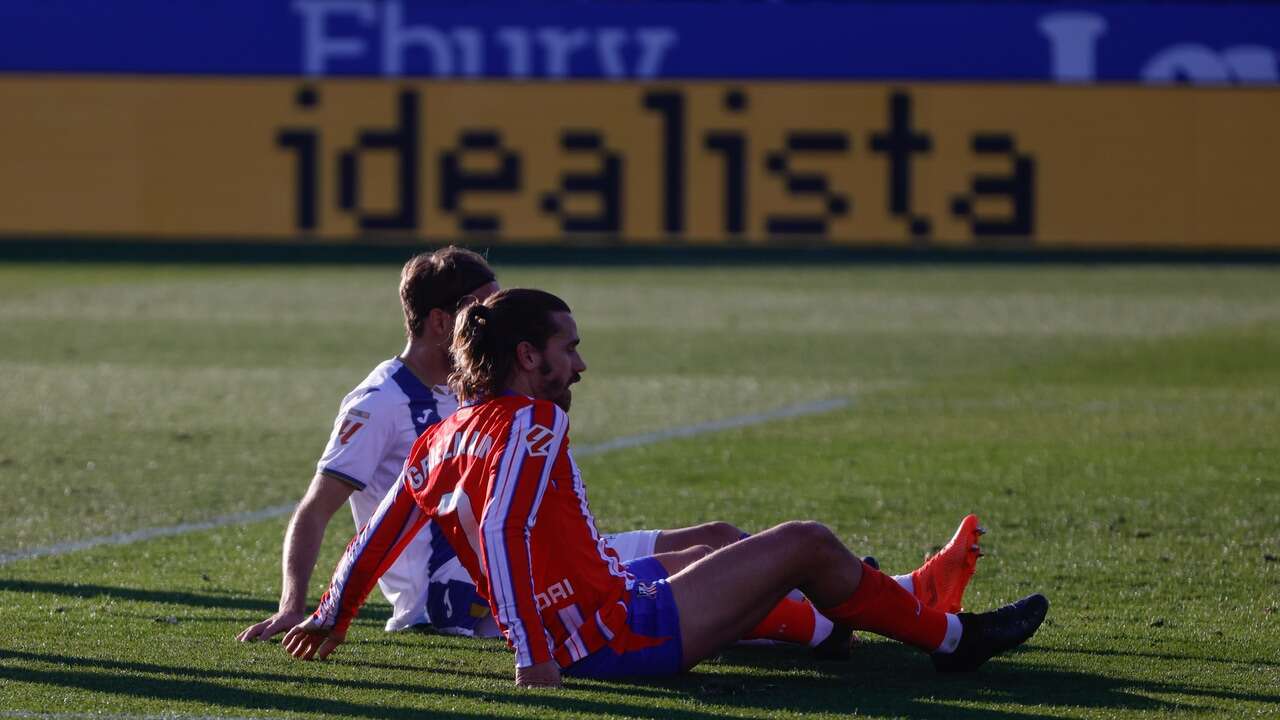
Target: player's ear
<point>527,356</point>
<point>440,322</point>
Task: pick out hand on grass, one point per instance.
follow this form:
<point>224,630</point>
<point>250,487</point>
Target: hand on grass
<point>542,675</point>
<point>305,641</point>
<point>272,626</point>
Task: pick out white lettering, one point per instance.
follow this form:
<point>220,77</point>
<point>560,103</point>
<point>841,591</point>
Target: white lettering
<point>317,47</point>
<point>1194,63</point>
<point>558,591</point>
<point>519,59</point>
<point>654,44</point>
<point>1073,39</point>
<point>456,445</point>
<point>609,44</point>
<point>416,476</point>
<point>560,44</point>
<point>470,42</point>
<point>1253,63</point>
<point>396,39</point>
<point>462,50</point>
<point>1189,62</point>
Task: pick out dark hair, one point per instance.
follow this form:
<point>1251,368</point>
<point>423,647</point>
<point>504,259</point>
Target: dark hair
<point>439,279</point>
<point>486,335</point>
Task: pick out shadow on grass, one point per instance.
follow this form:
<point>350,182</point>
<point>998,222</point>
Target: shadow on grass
<point>212,599</point>
<point>313,694</point>
<point>884,680</point>
<point>889,679</point>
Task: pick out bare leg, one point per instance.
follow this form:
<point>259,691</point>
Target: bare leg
<point>713,534</point>
<point>674,562</point>
<point>727,593</point>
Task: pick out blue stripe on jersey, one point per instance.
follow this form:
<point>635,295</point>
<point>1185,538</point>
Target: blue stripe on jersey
<point>441,550</point>
<point>425,413</point>
<point>422,403</point>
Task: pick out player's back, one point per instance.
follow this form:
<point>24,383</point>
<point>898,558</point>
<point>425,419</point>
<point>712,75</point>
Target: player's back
<point>500,482</point>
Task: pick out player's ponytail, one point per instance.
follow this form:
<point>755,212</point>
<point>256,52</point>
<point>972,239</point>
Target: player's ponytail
<point>486,335</point>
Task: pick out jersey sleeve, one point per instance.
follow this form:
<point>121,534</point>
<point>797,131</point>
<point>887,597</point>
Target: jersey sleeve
<point>373,549</point>
<point>362,433</point>
<point>538,438</point>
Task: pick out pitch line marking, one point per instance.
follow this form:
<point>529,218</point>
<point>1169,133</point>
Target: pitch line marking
<point>25,715</point>
<point>622,443</point>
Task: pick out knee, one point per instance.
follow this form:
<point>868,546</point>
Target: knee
<point>813,540</point>
<point>719,534</point>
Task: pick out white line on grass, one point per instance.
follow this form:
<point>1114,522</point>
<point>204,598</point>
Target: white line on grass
<point>99,716</point>
<point>622,443</point>
<point>740,421</point>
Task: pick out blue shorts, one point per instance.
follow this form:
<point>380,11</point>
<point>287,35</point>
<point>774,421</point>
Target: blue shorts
<point>652,613</point>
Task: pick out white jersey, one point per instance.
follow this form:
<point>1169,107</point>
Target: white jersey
<point>376,427</point>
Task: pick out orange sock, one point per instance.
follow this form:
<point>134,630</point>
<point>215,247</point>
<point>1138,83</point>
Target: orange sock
<point>884,607</point>
<point>792,621</point>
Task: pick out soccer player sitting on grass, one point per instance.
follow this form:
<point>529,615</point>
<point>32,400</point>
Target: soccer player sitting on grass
<point>377,424</point>
<point>499,480</point>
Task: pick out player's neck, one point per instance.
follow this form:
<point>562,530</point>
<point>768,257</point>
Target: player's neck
<point>425,360</point>
<point>521,384</point>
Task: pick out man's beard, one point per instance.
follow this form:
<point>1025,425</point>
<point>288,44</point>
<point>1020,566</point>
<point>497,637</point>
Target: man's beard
<point>562,397</point>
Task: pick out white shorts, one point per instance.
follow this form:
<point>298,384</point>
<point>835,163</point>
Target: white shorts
<point>633,545</point>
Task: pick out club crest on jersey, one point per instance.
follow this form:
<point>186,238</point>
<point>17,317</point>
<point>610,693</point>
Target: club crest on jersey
<point>537,441</point>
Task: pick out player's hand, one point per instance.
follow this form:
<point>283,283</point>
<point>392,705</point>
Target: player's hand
<point>543,675</point>
<point>305,641</point>
<point>272,626</point>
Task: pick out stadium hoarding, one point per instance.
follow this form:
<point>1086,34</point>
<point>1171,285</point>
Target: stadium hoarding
<point>634,164</point>
<point>1032,41</point>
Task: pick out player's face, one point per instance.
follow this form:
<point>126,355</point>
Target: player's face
<point>562,365</point>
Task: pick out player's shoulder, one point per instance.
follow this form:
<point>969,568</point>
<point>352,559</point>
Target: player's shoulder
<point>379,389</point>
<point>516,408</point>
<point>546,412</point>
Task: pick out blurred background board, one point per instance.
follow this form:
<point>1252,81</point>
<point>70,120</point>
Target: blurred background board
<point>1107,129</point>
<point>911,166</point>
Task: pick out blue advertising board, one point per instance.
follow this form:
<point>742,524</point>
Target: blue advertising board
<point>1189,42</point>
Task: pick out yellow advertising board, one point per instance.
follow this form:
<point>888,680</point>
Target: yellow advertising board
<point>843,164</point>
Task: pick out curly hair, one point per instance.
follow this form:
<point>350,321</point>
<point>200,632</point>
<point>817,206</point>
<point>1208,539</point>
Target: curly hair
<point>486,335</point>
<point>439,279</point>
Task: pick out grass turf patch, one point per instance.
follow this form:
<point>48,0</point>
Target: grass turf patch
<point>1116,428</point>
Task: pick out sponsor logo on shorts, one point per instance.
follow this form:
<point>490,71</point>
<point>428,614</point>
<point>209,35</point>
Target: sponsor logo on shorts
<point>647,590</point>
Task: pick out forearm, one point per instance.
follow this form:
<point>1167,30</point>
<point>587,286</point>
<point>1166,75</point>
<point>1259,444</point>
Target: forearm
<point>301,548</point>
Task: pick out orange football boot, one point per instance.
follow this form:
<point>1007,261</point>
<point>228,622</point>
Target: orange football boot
<point>941,580</point>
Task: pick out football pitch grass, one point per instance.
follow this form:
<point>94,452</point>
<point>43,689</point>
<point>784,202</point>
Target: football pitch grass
<point>1117,428</point>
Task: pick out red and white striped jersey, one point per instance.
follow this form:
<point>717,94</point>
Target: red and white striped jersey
<point>500,482</point>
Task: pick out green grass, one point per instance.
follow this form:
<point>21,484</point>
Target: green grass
<point>1117,428</point>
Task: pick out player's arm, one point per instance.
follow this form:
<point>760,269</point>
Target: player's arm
<point>302,542</point>
<point>358,443</point>
<point>522,477</point>
<point>373,549</point>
